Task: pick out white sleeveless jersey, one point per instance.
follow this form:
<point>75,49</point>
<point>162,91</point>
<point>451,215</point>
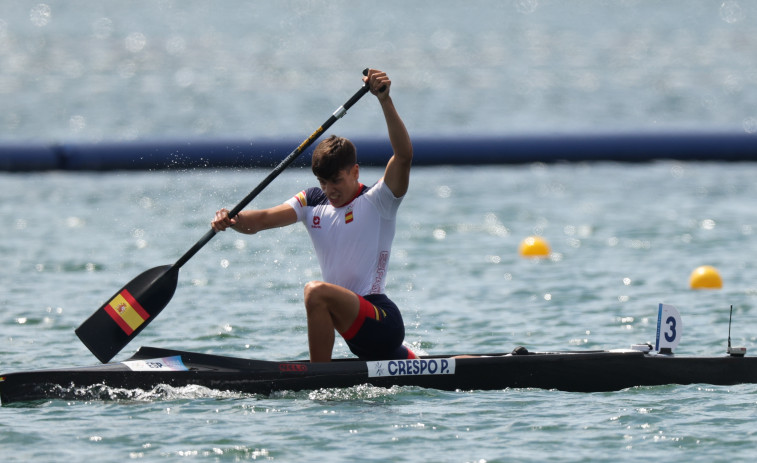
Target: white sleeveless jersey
<point>352,242</point>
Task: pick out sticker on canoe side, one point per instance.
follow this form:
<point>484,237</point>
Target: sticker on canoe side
<point>412,367</point>
<point>163,364</point>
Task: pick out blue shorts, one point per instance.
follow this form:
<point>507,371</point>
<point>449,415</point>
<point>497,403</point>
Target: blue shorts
<point>378,331</point>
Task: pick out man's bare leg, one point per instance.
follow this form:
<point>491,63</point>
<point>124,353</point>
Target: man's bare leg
<point>328,307</point>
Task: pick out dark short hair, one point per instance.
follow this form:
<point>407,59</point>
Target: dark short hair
<point>333,155</point>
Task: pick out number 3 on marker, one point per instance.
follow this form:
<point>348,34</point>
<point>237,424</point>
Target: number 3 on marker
<point>670,335</point>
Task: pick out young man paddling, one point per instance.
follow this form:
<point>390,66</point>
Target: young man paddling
<point>352,227</point>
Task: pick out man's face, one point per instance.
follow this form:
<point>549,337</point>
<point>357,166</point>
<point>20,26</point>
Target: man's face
<point>342,187</point>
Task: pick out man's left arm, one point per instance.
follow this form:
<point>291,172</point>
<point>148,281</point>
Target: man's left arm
<point>397,173</point>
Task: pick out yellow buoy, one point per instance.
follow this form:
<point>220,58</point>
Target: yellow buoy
<point>705,277</point>
<point>534,246</point>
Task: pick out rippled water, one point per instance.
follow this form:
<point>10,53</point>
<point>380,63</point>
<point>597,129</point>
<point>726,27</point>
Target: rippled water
<point>84,70</point>
<point>624,238</point>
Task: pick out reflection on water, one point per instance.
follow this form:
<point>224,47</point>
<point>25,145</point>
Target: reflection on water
<point>105,71</point>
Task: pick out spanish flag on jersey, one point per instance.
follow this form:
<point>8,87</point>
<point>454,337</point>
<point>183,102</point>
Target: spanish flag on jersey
<point>126,312</point>
<point>302,198</point>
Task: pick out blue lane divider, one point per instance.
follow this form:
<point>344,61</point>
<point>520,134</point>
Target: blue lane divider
<point>22,157</point>
<point>429,150</point>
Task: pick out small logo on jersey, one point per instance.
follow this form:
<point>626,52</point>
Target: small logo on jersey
<point>348,216</point>
<point>316,222</point>
<point>380,272</point>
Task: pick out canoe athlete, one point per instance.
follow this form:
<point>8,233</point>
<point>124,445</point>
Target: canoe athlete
<point>352,227</point>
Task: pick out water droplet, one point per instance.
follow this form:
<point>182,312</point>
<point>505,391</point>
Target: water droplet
<point>135,42</point>
<point>40,15</point>
<point>526,6</point>
<point>750,125</point>
<point>731,12</point>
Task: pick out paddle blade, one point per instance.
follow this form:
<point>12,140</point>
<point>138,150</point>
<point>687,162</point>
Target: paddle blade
<point>125,314</point>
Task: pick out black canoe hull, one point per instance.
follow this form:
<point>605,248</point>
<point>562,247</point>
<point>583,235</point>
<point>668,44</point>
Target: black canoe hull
<point>591,371</point>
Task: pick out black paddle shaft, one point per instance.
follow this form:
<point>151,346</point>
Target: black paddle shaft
<point>135,305</point>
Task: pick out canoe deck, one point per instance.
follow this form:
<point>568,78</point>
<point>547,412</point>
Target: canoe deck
<point>587,371</point>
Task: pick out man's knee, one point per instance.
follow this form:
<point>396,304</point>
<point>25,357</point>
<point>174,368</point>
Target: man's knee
<point>315,294</point>
<point>314,289</point>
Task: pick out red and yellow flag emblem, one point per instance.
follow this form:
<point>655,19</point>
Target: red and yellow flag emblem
<point>349,216</point>
<point>126,312</point>
<point>302,198</point>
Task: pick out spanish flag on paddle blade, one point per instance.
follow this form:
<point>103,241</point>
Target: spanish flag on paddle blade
<point>126,312</point>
